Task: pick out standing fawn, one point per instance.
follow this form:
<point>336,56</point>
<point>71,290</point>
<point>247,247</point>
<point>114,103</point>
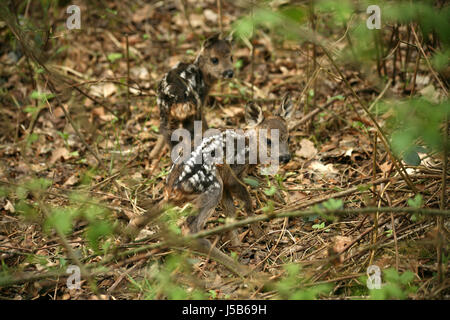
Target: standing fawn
<point>182,92</point>
<point>205,182</point>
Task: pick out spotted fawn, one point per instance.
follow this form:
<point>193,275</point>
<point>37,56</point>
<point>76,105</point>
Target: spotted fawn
<point>206,182</point>
<point>182,92</point>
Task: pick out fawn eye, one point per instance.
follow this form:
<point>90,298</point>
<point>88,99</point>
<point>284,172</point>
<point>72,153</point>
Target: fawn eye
<point>231,58</point>
<point>214,60</point>
<point>289,139</point>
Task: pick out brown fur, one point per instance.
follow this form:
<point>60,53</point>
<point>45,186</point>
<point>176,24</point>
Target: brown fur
<point>231,185</point>
<point>183,91</point>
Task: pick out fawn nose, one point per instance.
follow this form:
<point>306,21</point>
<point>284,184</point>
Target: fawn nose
<point>285,158</point>
<point>227,74</point>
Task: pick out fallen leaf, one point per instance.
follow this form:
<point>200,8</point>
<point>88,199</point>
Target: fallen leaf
<point>340,243</point>
<point>72,180</point>
<point>103,90</point>
<point>386,166</point>
<point>146,12</point>
<point>296,196</point>
<point>59,153</point>
<point>9,207</point>
<point>326,170</point>
<point>430,94</point>
<point>232,112</point>
<point>100,111</point>
<point>210,15</point>
<point>140,72</point>
<point>307,151</point>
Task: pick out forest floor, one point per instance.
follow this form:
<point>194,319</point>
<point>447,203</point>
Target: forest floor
<point>337,154</point>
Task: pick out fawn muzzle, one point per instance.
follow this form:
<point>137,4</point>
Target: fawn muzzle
<point>285,158</point>
<point>228,74</point>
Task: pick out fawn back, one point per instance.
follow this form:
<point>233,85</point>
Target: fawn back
<point>182,92</point>
<point>207,175</point>
<point>205,183</point>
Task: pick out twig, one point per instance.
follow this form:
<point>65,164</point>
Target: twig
<point>398,165</point>
<point>74,126</point>
<point>442,204</point>
<point>374,189</point>
<point>186,16</point>
<point>283,214</point>
<point>394,72</point>
<point>388,84</point>
<point>219,12</point>
<point>428,61</point>
<point>128,78</point>
<point>334,195</point>
<point>159,145</point>
<point>283,231</point>
<point>415,75</point>
<point>310,115</point>
<point>123,275</point>
<point>67,246</point>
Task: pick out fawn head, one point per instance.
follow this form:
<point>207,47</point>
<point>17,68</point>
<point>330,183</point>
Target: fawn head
<point>215,59</point>
<point>257,119</point>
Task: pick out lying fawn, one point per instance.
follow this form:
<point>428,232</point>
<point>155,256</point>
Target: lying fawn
<point>206,183</point>
<point>182,92</point>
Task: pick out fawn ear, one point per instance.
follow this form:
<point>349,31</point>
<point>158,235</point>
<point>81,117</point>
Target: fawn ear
<point>211,40</point>
<point>286,108</point>
<point>229,38</point>
<point>253,114</point>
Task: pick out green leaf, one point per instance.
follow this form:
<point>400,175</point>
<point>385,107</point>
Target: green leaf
<point>25,209</point>
<point>415,202</point>
<point>292,269</point>
<point>238,65</point>
<point>406,277</point>
<point>40,184</point>
<point>296,14</point>
<point>96,231</point>
<point>411,157</point>
<point>32,138</point>
<point>112,57</point>
<point>333,204</point>
<point>63,135</point>
<point>339,97</point>
<point>31,109</point>
<point>212,294</point>
<point>269,207</point>
<point>41,96</point>
<point>270,192</point>
<point>319,226</point>
<point>252,182</point>
<point>363,187</point>
<point>441,59</point>
<point>60,219</point>
<point>311,218</point>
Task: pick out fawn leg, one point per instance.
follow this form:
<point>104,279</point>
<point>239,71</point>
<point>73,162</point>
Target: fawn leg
<point>242,193</point>
<point>165,132</point>
<point>207,202</point>
<point>138,223</point>
<point>205,247</point>
<point>230,211</point>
